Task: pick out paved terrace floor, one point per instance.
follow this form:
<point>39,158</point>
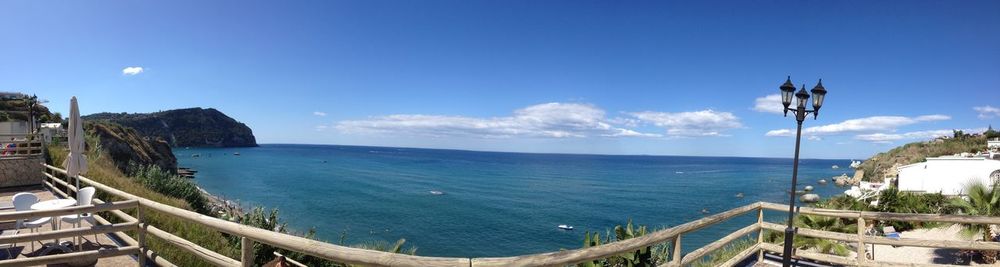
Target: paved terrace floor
<point>25,249</point>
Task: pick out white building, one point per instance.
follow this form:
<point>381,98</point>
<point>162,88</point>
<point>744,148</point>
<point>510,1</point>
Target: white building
<point>993,144</point>
<point>948,174</point>
<point>14,128</point>
<point>50,130</point>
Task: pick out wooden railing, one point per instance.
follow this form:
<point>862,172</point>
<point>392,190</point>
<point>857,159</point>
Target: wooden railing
<point>72,232</point>
<point>23,145</point>
<point>674,235</point>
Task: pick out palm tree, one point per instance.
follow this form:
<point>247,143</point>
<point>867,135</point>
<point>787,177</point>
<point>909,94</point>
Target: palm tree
<point>980,200</point>
<point>825,224</point>
<point>818,223</point>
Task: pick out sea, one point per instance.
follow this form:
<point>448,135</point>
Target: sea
<point>488,204</point>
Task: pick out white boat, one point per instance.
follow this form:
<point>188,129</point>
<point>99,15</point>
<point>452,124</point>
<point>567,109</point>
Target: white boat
<point>836,167</point>
<point>565,227</point>
<point>435,192</point>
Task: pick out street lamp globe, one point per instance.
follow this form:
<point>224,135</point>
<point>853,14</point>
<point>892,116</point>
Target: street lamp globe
<point>819,93</point>
<point>803,97</point>
<point>787,89</point>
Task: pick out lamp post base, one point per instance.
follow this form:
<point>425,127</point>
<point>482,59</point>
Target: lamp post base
<point>786,258</point>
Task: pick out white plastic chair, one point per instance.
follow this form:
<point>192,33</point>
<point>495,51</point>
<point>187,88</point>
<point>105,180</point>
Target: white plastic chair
<point>83,197</point>
<point>23,202</point>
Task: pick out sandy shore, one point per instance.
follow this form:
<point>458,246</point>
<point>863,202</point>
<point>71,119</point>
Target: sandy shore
<point>925,255</point>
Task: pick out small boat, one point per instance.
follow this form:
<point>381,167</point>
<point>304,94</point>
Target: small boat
<point>739,195</point>
<point>565,227</point>
<point>195,155</point>
<point>435,192</point>
<point>836,167</point>
<point>236,153</point>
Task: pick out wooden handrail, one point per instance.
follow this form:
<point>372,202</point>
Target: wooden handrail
<point>375,258</point>
<point>29,214</point>
<point>62,233</point>
<point>61,258</point>
<point>697,254</point>
<point>295,243</point>
<point>611,249</point>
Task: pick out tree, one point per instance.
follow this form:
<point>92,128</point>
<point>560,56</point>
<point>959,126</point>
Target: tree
<point>980,200</point>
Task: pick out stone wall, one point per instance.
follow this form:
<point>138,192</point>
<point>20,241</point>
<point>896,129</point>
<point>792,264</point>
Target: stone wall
<point>21,171</point>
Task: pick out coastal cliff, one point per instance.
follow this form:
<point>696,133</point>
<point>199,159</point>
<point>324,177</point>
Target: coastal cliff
<point>196,127</point>
<point>126,146</point>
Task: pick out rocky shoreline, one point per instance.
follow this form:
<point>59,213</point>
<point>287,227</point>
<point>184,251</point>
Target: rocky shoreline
<point>221,207</point>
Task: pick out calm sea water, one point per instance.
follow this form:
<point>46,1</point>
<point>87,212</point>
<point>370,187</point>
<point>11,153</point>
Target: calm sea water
<point>494,204</point>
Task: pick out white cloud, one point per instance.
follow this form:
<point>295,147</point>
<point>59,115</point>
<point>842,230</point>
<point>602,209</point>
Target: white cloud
<point>769,104</point>
<point>862,125</point>
<point>885,138</point>
<point>551,120</point>
<point>319,113</point>
<point>693,123</point>
<point>986,112</point>
<point>129,71</point>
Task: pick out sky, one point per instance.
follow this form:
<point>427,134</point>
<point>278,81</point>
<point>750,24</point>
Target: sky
<point>602,77</point>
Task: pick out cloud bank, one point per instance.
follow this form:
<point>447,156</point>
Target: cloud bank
<point>877,129</point>
<point>769,104</point>
<point>987,112</point>
<point>549,120</point>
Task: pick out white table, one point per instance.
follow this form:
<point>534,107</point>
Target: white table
<point>51,205</point>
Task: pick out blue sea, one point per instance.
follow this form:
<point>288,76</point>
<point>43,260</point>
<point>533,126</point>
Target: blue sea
<point>493,204</point>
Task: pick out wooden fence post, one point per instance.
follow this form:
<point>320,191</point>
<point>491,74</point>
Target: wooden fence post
<point>760,234</point>
<point>246,245</point>
<point>676,261</point>
<point>142,236</point>
<point>861,242</point>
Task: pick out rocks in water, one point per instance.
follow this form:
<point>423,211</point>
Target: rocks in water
<point>822,181</point>
<point>840,181</point>
<point>809,198</point>
<point>808,188</point>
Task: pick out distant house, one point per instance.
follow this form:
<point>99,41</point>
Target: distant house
<point>50,130</point>
<point>993,143</point>
<point>948,174</point>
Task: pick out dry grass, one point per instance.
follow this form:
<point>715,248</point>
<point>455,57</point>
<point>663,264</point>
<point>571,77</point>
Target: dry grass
<point>102,170</point>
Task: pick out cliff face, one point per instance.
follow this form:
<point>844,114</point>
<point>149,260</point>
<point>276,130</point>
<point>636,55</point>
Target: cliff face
<point>195,127</point>
<point>125,145</point>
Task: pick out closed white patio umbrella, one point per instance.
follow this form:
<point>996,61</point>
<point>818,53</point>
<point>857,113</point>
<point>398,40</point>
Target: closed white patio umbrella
<point>75,163</point>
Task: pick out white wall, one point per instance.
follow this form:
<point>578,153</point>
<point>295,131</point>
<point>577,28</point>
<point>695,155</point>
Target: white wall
<point>946,175</point>
<point>14,127</point>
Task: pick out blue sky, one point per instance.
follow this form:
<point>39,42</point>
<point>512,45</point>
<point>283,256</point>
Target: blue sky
<point>610,77</point>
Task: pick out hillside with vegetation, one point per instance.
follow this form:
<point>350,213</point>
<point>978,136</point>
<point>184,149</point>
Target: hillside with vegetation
<point>20,107</point>
<point>960,142</point>
<point>191,127</point>
<point>125,146</point>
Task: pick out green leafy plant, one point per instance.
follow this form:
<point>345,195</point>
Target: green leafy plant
<point>646,256</point>
<point>980,200</point>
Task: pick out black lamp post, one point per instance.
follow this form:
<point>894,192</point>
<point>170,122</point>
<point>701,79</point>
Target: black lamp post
<point>800,111</point>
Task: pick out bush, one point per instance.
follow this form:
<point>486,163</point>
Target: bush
<point>169,184</point>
